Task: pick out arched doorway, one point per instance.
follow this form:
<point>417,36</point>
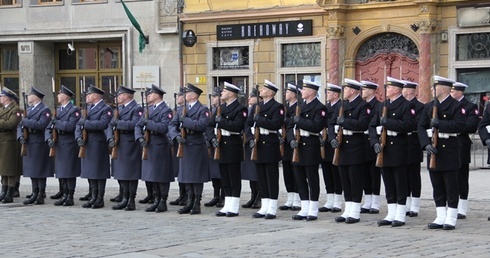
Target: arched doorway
<point>387,54</point>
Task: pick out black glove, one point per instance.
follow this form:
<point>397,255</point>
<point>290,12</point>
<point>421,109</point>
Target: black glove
<point>113,124</point>
<point>322,142</point>
<point>180,139</point>
<point>181,119</point>
<point>81,122</point>
<point>434,122</point>
<point>251,143</point>
<point>53,121</point>
<point>50,143</point>
<point>487,142</point>
<point>217,119</point>
<point>334,143</point>
<point>430,149</point>
<point>215,143</point>
<point>377,148</point>
<point>296,119</point>
<point>22,140</point>
<point>111,142</point>
<point>143,121</point>
<point>340,121</point>
<point>382,120</point>
<point>256,117</point>
<point>142,142</point>
<point>80,142</point>
<point>294,144</point>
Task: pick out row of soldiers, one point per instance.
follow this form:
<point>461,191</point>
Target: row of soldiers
<point>304,127</point>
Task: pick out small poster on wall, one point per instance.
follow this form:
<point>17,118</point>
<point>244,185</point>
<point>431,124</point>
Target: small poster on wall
<point>145,76</point>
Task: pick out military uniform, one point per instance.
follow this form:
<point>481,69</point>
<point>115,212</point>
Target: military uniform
<point>158,167</point>
<point>36,164</point>
<point>331,174</point>
<point>312,119</point>
<point>356,120</point>
<point>95,165</point>
<point>193,166</point>
<point>444,178</point>
<point>415,158</point>
<point>10,117</point>
<point>126,168</point>
<point>213,164</point>
<point>484,131</point>
<point>372,174</point>
<point>471,125</point>
<point>231,124</point>
<point>400,120</point>
<point>67,163</point>
<point>268,121</point>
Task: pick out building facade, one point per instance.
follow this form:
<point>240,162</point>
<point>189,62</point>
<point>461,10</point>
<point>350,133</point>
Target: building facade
<point>77,42</point>
<point>367,40</point>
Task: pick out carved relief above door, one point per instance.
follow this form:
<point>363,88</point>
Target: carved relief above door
<point>387,54</point>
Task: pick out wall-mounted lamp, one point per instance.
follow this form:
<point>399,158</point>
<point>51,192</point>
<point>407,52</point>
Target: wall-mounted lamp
<point>356,30</point>
<point>414,27</point>
<point>71,48</point>
<point>189,38</point>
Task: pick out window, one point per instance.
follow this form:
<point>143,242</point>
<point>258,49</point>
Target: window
<point>301,54</point>
<point>8,2</point>
<point>9,67</point>
<point>230,58</point>
<point>473,46</point>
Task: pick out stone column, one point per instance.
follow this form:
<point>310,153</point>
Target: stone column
<point>425,67</point>
<point>334,73</point>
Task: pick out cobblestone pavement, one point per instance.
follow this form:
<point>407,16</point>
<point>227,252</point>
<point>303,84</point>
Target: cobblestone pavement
<point>49,231</point>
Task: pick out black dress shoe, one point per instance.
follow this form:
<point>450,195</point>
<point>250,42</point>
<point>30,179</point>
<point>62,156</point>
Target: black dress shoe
<point>118,198</point>
<point>351,220</point>
<point>397,223</point>
<point>145,200</point>
<point>231,214</point>
<point>434,226</point>
<point>311,218</point>
<point>56,195</point>
<point>335,210</point>
<point>295,208</point>
<point>384,223</point>
<point>270,216</point>
<point>324,209</point>
<point>220,214</point>
<point>373,211</point>
<point>258,215</point>
<point>212,203</point>
<point>448,227</point>
<point>340,219</point>
<point>365,210</point>
<point>461,216</point>
<point>298,217</point>
<point>413,214</point>
<point>284,207</point>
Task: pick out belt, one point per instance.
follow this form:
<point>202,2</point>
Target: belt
<point>126,132</point>
<point>379,129</point>
<point>226,132</point>
<point>304,133</point>
<point>410,133</point>
<point>264,131</point>
<point>349,132</point>
<point>64,132</point>
<point>442,135</point>
<point>192,132</point>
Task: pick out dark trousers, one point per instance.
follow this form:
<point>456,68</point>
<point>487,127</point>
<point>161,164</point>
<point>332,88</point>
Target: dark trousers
<point>351,176</point>
<point>38,182</point>
<point>331,178</point>
<point>308,182</point>
<point>445,188</point>
<point>268,175</point>
<point>288,175</point>
<point>194,188</point>
<point>372,178</point>
<point>395,179</point>
<point>9,181</point>
<point>162,188</point>
<point>463,181</point>
<point>231,179</point>
<point>414,180</point>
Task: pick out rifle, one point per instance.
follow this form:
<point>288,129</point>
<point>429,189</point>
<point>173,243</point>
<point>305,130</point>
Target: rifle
<point>380,156</point>
<point>324,139</point>
<point>144,153</point>
<point>114,128</point>
<point>217,155</point>
<point>25,131</point>
<point>340,134</point>
<point>81,152</point>
<point>435,132</point>
<point>253,155</point>
<point>297,136</point>
<point>180,149</point>
<point>283,129</point>
<point>54,132</point>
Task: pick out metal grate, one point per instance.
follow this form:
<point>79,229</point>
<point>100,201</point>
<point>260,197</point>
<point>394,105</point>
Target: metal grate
<point>388,43</point>
<point>473,46</point>
<point>301,55</point>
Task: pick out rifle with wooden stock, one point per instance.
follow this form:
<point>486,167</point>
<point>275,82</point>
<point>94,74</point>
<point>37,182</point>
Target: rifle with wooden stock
<point>115,131</point>
<point>253,155</point>
<point>283,129</point>
<point>324,139</point>
<point>340,133</point>
<point>81,152</point>
<point>382,138</point>
<point>25,131</point>
<point>180,149</point>
<point>297,136</point>
<point>144,153</point>
<point>217,154</point>
<point>54,132</point>
<point>435,132</point>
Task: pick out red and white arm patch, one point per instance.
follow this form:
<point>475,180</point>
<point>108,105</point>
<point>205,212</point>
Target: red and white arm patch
<point>207,114</point>
<point>324,113</point>
<point>109,113</point>
<point>281,111</point>
<point>170,115</point>
<point>244,114</point>
<point>412,111</point>
<point>368,111</point>
<point>47,115</point>
<point>463,111</point>
<point>476,111</point>
<point>77,114</point>
<point>140,113</point>
<point>18,114</point>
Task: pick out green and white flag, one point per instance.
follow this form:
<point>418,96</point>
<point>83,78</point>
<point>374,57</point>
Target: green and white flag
<point>137,26</point>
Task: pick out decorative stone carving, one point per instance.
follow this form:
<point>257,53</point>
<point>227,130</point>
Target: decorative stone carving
<point>335,31</point>
<point>424,8</point>
<point>426,26</point>
<point>332,15</point>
